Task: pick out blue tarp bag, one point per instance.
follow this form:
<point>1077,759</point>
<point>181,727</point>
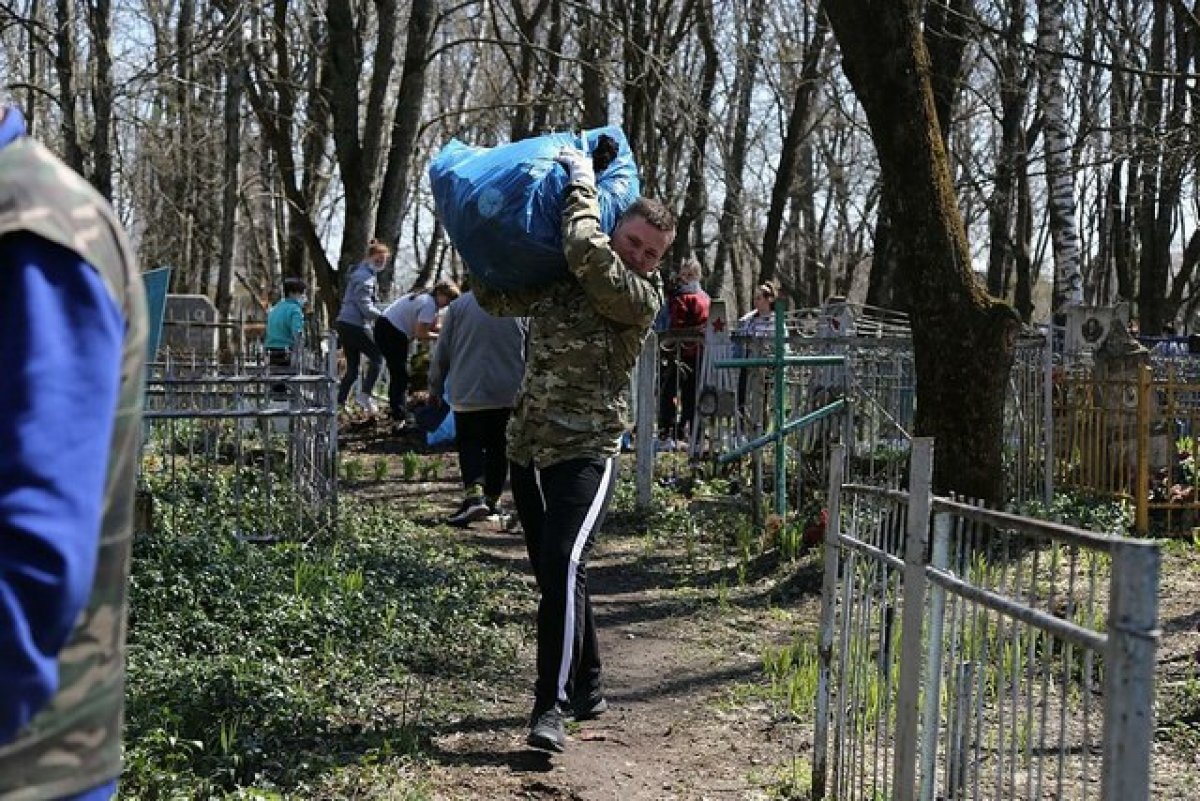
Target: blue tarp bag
<point>502,206</point>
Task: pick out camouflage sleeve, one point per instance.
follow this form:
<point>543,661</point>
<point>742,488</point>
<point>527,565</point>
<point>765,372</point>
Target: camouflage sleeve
<point>615,291</point>
<point>511,303</point>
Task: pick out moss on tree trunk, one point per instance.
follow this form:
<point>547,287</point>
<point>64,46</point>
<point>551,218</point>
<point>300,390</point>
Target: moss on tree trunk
<point>963,339</point>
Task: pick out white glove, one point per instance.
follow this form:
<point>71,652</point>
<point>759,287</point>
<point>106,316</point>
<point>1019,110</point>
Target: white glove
<point>578,166</point>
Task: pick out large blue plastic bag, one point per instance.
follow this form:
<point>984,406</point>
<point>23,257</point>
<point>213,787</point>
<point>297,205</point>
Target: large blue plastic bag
<point>502,206</point>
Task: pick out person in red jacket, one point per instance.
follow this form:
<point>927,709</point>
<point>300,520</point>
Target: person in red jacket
<point>688,311</point>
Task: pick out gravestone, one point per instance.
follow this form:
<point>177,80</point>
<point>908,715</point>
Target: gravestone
<point>189,326</point>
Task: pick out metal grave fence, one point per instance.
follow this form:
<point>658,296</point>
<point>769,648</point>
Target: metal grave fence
<point>965,653</point>
<point>252,454</point>
<point>877,378</point>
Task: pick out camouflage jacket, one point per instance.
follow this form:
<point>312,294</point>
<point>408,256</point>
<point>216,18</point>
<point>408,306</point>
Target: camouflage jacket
<point>585,334</point>
<point>74,743</point>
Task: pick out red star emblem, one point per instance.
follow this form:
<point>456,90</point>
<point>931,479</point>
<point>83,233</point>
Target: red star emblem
<point>718,324</point>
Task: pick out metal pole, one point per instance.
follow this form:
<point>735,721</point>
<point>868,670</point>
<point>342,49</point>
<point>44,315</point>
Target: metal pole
<point>825,630</point>
<point>917,537</point>
<point>780,417</point>
<point>1048,420</point>
<point>1129,671</point>
<point>943,523</point>
<point>1141,486</point>
<point>647,392</point>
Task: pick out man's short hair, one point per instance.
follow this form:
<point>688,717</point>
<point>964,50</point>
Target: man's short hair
<point>654,212</point>
<point>294,286</point>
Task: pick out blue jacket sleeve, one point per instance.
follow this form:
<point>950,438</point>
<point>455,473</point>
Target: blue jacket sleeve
<point>60,351</point>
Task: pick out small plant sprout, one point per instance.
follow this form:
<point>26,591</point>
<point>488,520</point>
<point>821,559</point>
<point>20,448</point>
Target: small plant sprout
<point>409,463</point>
<point>352,469</point>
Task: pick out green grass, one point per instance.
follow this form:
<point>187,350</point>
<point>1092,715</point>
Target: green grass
<point>295,670</point>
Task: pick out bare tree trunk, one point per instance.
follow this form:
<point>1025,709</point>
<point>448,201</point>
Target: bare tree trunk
<point>963,340</point>
<point>1022,239</point>
<point>357,141</point>
<point>593,49</point>
<point>1014,94</point>
<point>273,99</point>
<point>1058,146</point>
<point>393,195</point>
<point>34,49</point>
<point>694,196</point>
<point>193,279</point>
<point>728,228</point>
<point>524,75</point>
<point>797,129</point>
<point>64,62</point>
<point>99,15</point>
<point>231,164</point>
<point>947,33</point>
<point>946,27</point>
<point>543,103</point>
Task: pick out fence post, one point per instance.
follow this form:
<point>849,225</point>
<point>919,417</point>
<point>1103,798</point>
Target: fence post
<point>833,530</point>
<point>1048,420</point>
<point>780,412</point>
<point>943,524</point>
<point>1141,487</point>
<point>647,394</point>
<point>1129,671</point>
<point>920,502</point>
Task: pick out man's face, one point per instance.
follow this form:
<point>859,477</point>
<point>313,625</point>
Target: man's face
<point>640,245</point>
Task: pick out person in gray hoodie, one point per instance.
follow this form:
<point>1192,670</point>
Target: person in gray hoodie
<point>484,359</point>
<point>353,325</point>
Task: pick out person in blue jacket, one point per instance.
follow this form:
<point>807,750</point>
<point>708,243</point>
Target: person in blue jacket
<point>72,351</point>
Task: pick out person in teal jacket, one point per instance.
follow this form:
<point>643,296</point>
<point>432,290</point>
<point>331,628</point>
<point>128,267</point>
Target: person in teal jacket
<point>285,324</point>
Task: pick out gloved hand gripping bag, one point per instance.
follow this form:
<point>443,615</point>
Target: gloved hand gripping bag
<point>502,206</point>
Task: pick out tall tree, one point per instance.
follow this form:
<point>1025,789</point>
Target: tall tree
<point>695,194</point>
<point>963,340</point>
<point>359,128</point>
<point>410,98</point>
<point>749,57</point>
<point>1015,78</point>
<point>799,122</point>
<point>1058,144</point>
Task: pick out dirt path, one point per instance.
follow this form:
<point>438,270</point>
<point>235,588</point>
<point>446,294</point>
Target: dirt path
<point>684,721</point>
<point>683,645</point>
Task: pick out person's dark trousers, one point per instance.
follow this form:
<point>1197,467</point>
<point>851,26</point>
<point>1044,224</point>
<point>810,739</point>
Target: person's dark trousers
<point>561,508</point>
<point>687,394</point>
<point>394,344</point>
<point>356,342</point>
<point>482,452</point>
<point>668,389</point>
<point>677,398</point>
<point>279,362</point>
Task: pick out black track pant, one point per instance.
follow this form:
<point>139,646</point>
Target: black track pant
<point>393,343</point>
<point>482,455</point>
<point>356,342</point>
<point>562,508</point>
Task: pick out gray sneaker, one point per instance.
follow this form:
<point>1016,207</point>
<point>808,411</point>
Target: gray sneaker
<point>589,707</point>
<point>546,730</point>
<point>471,510</point>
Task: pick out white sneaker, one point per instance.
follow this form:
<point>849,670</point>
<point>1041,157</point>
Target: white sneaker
<point>367,403</point>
